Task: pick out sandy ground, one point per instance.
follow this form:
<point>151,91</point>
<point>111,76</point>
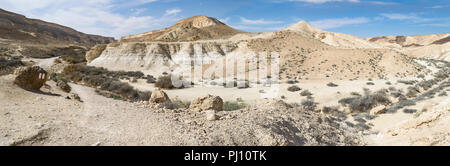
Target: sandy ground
<point>48,118</point>
<point>51,119</point>
<point>323,94</point>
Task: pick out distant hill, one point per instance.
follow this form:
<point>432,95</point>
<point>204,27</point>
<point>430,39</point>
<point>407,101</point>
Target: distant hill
<point>436,46</point>
<point>17,27</point>
<point>190,29</point>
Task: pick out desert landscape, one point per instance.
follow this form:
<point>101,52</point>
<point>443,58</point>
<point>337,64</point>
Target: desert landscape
<point>202,82</point>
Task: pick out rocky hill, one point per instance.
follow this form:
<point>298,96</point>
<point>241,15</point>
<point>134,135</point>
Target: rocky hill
<point>191,29</point>
<point>15,27</point>
<point>306,52</point>
<point>436,46</point>
<point>339,40</point>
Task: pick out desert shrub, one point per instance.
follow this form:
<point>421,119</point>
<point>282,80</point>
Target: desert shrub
<point>370,83</point>
<point>421,76</point>
<point>441,75</point>
<point>366,102</point>
<point>73,59</point>
<point>355,94</point>
<point>396,94</point>
<point>329,110</point>
<point>151,79</point>
<point>91,71</point>
<point>418,113</point>
<point>134,74</point>
<point>392,88</point>
<point>388,83</point>
<point>309,105</point>
<point>409,111</point>
<point>427,84</point>
<point>144,96</point>
<point>104,80</point>
<point>181,104</point>
<point>442,94</point>
<point>306,93</point>
<point>407,82</point>
<point>8,65</point>
<point>294,88</point>
<point>292,81</point>
<point>58,76</point>
<point>401,104</point>
<point>412,91</point>
<point>164,82</point>
<point>332,84</point>
<point>233,105</point>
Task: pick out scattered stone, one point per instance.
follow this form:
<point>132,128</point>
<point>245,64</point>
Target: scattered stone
<point>96,144</point>
<point>30,78</point>
<point>75,97</point>
<point>159,96</point>
<point>378,110</point>
<point>207,102</point>
<point>64,86</point>
<point>211,115</point>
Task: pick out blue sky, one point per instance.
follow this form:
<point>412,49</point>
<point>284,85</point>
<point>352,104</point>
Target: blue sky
<point>363,18</point>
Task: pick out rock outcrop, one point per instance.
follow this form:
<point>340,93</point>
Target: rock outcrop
<point>207,102</point>
<point>159,96</point>
<point>30,78</point>
<point>190,29</point>
<point>95,52</point>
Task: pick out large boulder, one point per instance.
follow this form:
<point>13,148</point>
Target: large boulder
<point>30,78</point>
<point>207,102</point>
<point>159,96</point>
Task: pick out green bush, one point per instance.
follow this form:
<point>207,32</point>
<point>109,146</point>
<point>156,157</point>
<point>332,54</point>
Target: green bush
<point>105,80</point>
<point>181,104</point>
<point>233,105</point>
<point>367,101</point>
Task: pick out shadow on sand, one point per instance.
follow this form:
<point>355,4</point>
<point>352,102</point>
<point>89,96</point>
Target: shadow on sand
<point>43,93</point>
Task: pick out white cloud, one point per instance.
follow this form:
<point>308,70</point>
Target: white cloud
<point>326,1</point>
<point>381,3</point>
<point>256,28</point>
<point>92,16</point>
<point>408,17</point>
<point>224,20</point>
<point>440,6</point>
<point>138,11</point>
<point>338,22</point>
<point>258,22</point>
<point>317,1</point>
<point>172,12</point>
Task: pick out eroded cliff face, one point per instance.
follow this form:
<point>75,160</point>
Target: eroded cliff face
<point>159,57</point>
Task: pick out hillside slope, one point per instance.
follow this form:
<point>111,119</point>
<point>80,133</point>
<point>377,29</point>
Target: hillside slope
<point>17,27</point>
<point>436,46</point>
<point>191,29</point>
